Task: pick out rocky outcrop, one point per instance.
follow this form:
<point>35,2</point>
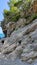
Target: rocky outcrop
<point>22,43</point>
<point>11,26</point>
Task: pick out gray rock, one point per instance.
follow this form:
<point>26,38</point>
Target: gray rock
<point>21,43</point>
<point>31,28</point>
<point>30,61</point>
<point>9,49</point>
<point>19,50</point>
<point>12,55</point>
<point>15,53</point>
<point>1,56</point>
<point>20,23</point>
<point>27,56</point>
<point>34,35</point>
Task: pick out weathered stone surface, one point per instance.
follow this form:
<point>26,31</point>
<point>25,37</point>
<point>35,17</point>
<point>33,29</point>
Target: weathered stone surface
<point>26,50</point>
<point>20,23</point>
<point>34,47</point>
<point>31,28</point>
<point>30,61</point>
<point>22,43</point>
<point>1,56</point>
<point>27,56</point>
<point>13,55</point>
<point>9,49</point>
<point>10,27</point>
<point>19,50</point>
<point>34,34</point>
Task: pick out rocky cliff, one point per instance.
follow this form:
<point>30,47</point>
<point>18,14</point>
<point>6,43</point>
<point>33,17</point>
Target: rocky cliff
<point>21,44</point>
<point>21,37</point>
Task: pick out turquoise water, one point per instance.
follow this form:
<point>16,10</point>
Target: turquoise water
<point>2,36</point>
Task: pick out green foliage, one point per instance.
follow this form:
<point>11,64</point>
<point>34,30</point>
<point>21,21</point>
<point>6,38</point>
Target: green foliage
<point>14,9</point>
<point>14,13</point>
<point>27,1</point>
<point>6,12</point>
<point>11,16</point>
<point>13,2</point>
<point>18,8</point>
<point>16,17</point>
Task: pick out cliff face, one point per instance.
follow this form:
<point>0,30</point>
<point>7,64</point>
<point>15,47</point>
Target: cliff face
<point>21,44</point>
<point>21,38</point>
